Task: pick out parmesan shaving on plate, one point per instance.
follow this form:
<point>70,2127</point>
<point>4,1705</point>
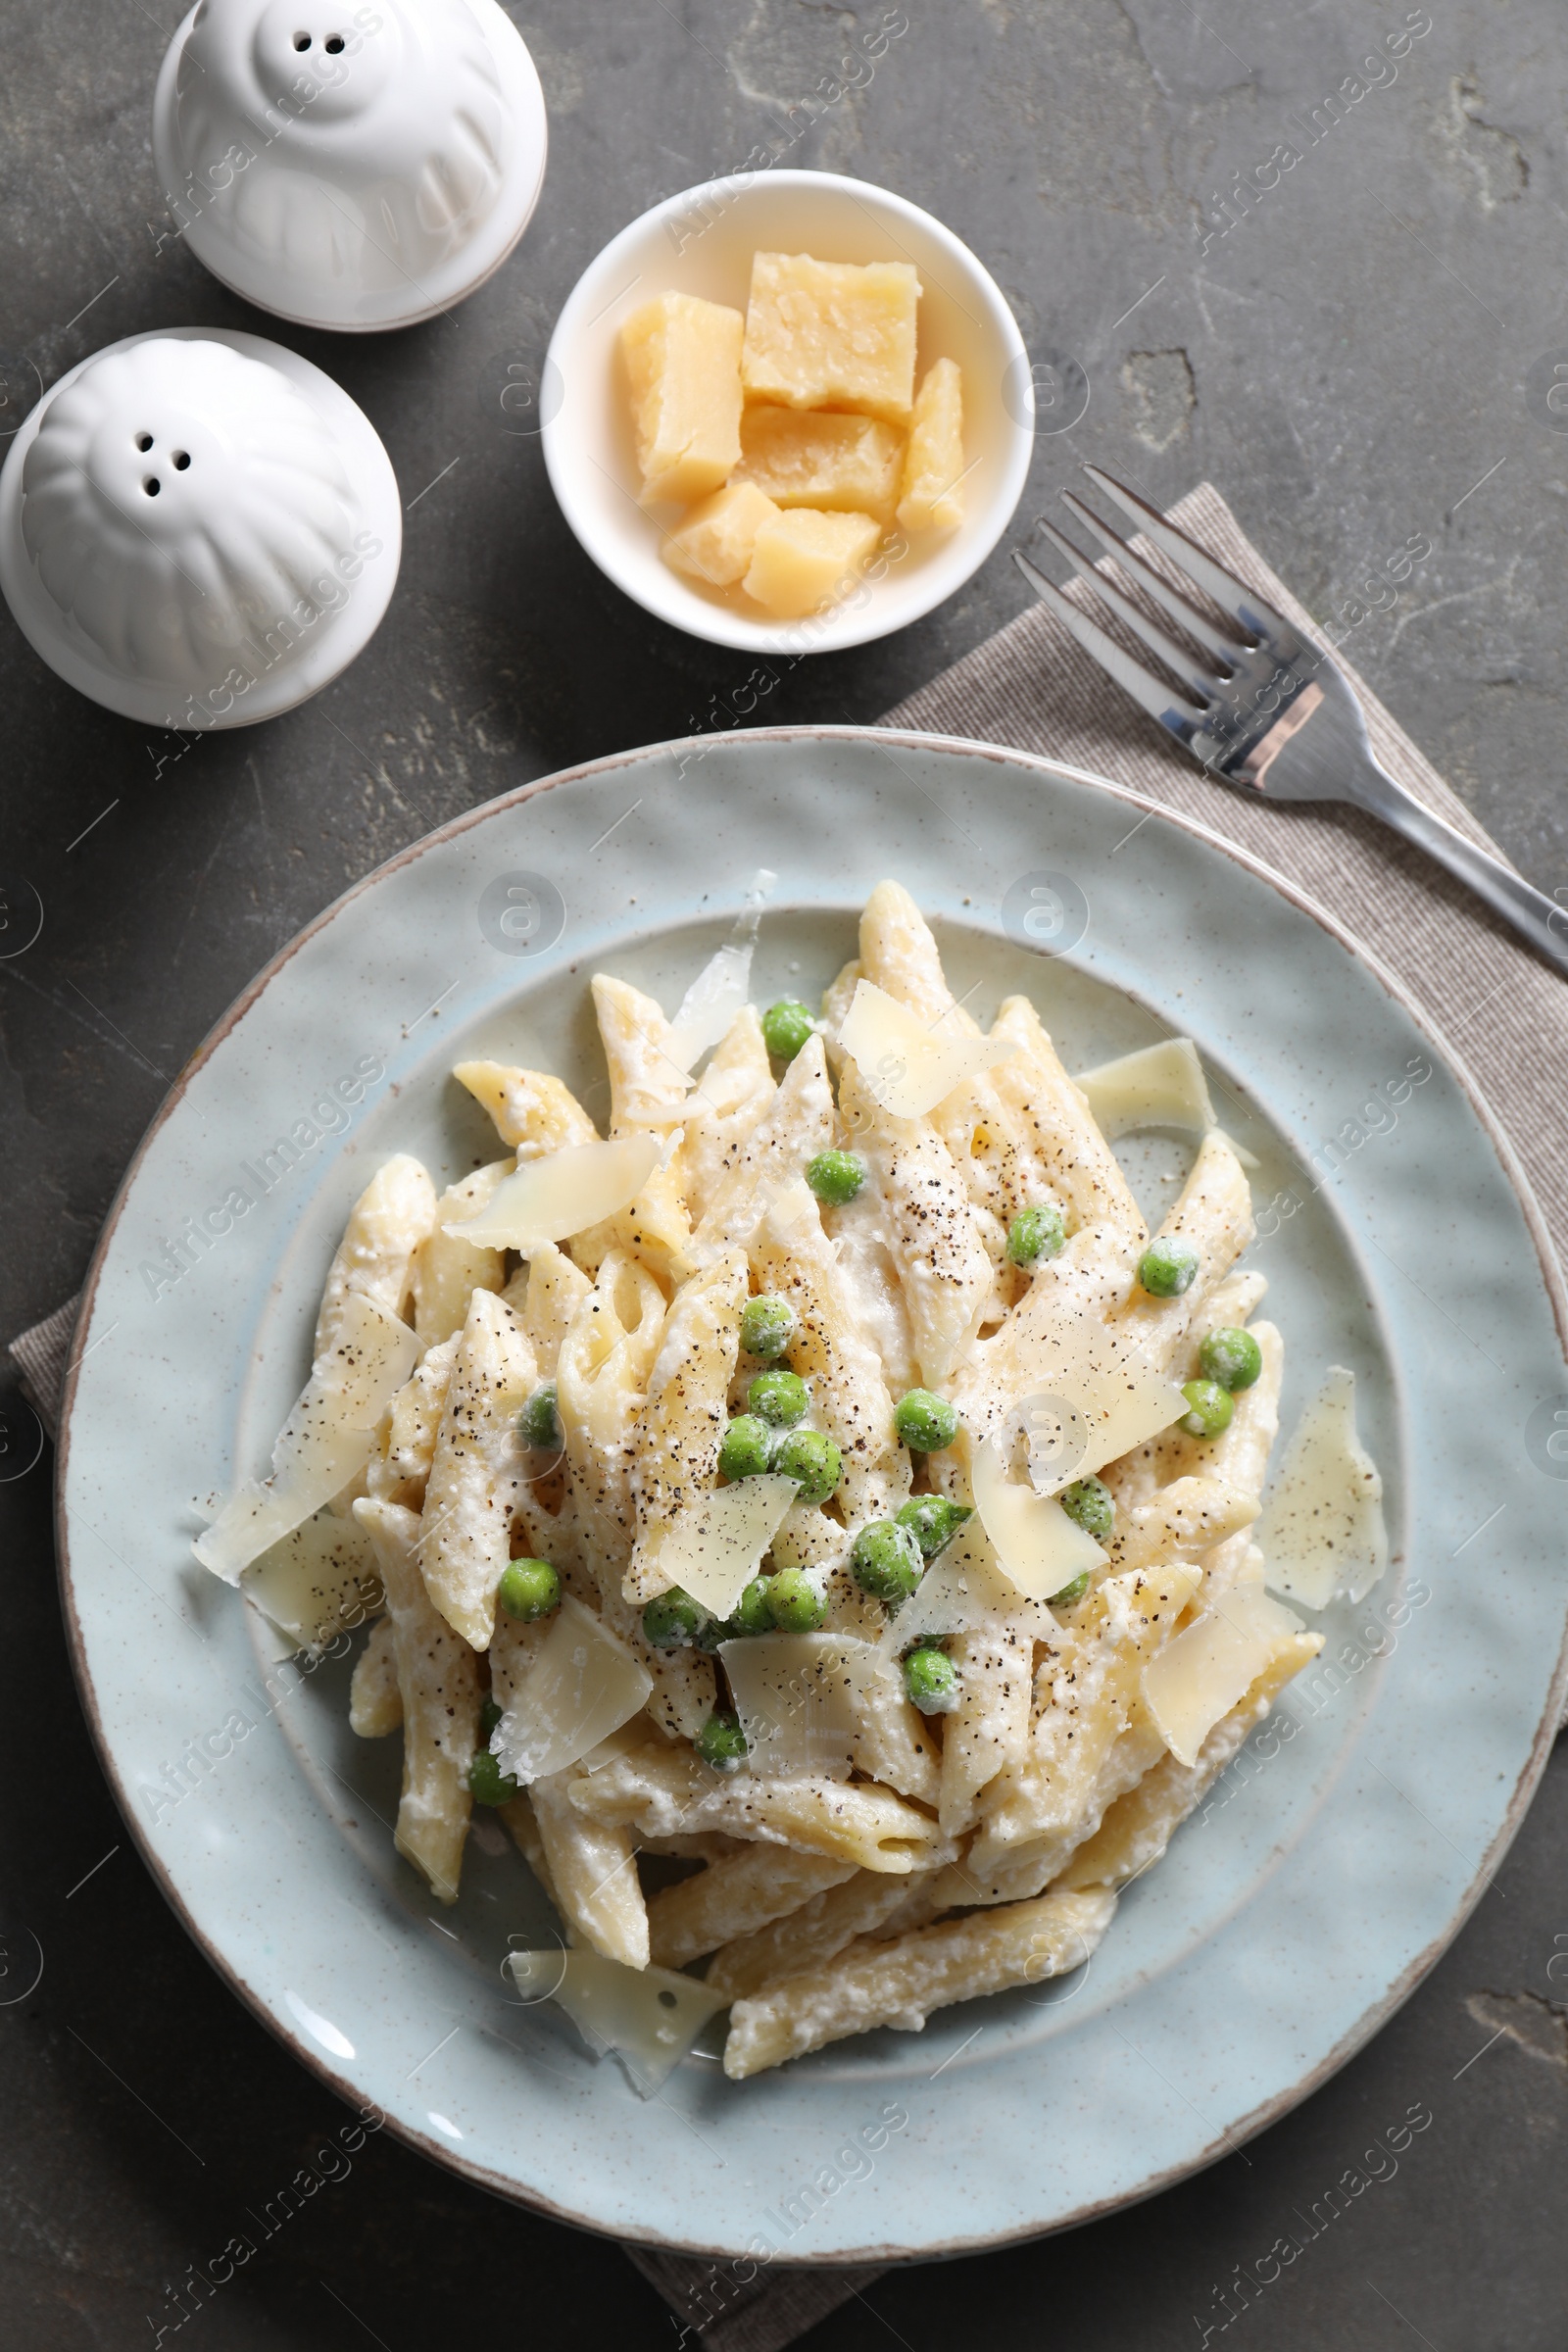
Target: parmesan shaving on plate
<point>722,987</point>
<point>1322,1530</point>
<point>1159,1086</point>
<point>325,1439</point>
<point>1209,1667</point>
<point>315,1580</point>
<point>551,1199</point>
<point>802,1698</point>
<point>714,1546</point>
<point>583,1684</point>
<point>908,1066</point>
<point>1037,1546</point>
<point>648,2017</point>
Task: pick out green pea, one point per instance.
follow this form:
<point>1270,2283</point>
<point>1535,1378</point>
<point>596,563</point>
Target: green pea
<point>933,1521</point>
<point>814,1461</point>
<point>747,1446</point>
<point>539,1422</point>
<point>767,1325</point>
<point>1231,1357</point>
<point>794,1604</point>
<point>489,1717</point>
<point>752,1613</point>
<point>488,1784</point>
<point>779,1399</point>
<point>1072,1592</point>
<point>1168,1267</point>
<point>528,1589</point>
<point>1212,1409</point>
<point>835,1177</point>
<point>1091,1504</point>
<point>786,1026</point>
<point>1035,1234</point>
<point>721,1742</point>
<point>887,1560</point>
<point>672,1620</point>
<point>932,1681</point>
<point>925,1421</point>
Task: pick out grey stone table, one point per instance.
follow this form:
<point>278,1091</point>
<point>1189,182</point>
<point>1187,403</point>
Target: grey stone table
<point>1359,355</point>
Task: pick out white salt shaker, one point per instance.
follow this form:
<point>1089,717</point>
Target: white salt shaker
<point>198,529</point>
<point>350,163</point>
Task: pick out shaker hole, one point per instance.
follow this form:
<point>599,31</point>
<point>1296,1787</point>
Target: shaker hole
<point>333,45</point>
<point>152,485</point>
<point>182,459</point>
<point>302,40</point>
<point>144,441</point>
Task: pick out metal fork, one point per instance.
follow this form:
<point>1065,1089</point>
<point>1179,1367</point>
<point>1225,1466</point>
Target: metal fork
<point>1260,708</point>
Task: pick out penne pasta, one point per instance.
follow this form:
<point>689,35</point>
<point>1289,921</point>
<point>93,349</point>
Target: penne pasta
<point>592,1875</point>
<point>393,1215</point>
<point>676,1440</point>
<point>448,1270</point>
<point>736,1896</point>
<point>375,1702</point>
<point>533,1111</point>
<point>905,1771</point>
<point>900,1983</point>
<point>476,1474</point>
<point>438,1677</point>
<point>809,1936</point>
<point>661,1791</point>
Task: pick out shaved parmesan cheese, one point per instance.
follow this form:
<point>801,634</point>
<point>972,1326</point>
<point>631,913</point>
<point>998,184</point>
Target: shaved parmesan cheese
<point>1322,1530</point>
<point>908,1066</point>
<point>1098,1399</point>
<point>565,1192</point>
<point>1161,1085</point>
<point>1037,1546</point>
<point>965,1585</point>
<point>710,1003</point>
<point>803,1697</point>
<point>325,1439</point>
<point>583,1684</point>
<point>1197,1679</point>
<point>317,1581</point>
<point>713,1548</point>
<point>648,2017</point>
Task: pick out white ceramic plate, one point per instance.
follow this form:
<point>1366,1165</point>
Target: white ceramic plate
<point>1332,1865</point>
<point>701,242</point>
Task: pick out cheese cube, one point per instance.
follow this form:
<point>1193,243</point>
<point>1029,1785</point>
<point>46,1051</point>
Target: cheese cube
<point>715,543</point>
<point>812,458</point>
<point>683,360</point>
<point>932,497</point>
<point>804,559</point>
<point>831,334</point>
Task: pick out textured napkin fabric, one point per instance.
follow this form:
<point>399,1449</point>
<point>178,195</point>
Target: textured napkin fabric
<point>1500,1011</point>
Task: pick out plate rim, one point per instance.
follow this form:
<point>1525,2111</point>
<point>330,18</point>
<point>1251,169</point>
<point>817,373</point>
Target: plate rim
<point>481,2176</point>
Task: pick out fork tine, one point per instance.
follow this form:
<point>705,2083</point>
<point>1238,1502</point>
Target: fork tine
<point>1233,595</point>
<point>1176,659</point>
<point>1214,641</point>
<point>1157,698</point>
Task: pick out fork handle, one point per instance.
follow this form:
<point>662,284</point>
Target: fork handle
<point>1536,917</point>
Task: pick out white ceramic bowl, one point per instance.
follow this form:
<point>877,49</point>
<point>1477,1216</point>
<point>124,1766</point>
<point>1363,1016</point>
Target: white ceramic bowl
<point>198,529</point>
<point>349,167</point>
<point>701,242</point>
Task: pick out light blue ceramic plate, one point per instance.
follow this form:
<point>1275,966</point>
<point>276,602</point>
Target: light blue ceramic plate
<point>1335,1860</point>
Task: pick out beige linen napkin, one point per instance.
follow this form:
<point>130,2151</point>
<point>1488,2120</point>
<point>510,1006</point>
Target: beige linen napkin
<point>1499,1008</point>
